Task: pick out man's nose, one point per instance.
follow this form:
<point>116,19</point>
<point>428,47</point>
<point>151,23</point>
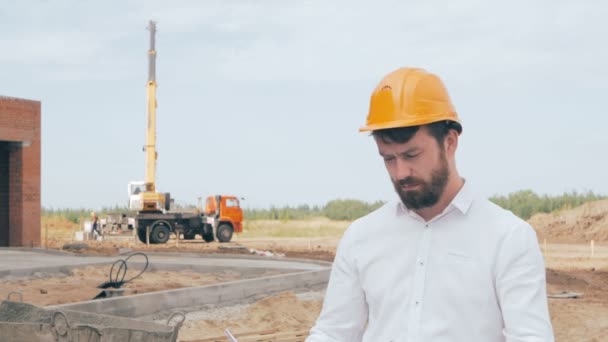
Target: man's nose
<point>403,169</point>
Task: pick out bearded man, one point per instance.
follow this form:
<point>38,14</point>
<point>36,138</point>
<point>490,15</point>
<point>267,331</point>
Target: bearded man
<point>440,263</point>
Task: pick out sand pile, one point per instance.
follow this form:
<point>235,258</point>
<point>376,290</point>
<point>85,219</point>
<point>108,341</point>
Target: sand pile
<point>578,225</point>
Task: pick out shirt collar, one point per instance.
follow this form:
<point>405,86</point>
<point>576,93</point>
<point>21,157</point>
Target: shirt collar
<point>462,201</point>
<point>464,198</point>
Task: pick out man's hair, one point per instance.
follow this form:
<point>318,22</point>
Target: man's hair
<point>438,130</point>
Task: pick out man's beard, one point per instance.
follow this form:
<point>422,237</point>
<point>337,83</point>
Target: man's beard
<point>428,194</point>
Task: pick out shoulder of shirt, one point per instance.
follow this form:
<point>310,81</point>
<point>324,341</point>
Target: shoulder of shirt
<point>386,211</point>
<point>500,219</point>
<point>358,228</point>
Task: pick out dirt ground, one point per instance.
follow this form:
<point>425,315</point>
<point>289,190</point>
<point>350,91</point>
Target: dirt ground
<point>285,312</point>
<point>570,268</point>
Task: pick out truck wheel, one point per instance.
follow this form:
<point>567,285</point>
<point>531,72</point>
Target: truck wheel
<point>224,232</point>
<point>207,233</point>
<point>141,234</point>
<point>160,233</point>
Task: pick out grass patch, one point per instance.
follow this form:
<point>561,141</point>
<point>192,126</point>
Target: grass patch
<point>309,228</point>
<point>59,228</point>
<point>62,229</point>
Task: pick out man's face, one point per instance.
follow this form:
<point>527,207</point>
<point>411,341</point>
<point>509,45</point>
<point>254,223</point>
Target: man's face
<point>418,169</point>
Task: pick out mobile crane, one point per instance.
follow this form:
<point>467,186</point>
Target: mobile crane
<point>222,216</point>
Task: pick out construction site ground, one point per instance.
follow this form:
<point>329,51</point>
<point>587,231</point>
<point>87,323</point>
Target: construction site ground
<point>570,268</point>
<point>565,238</point>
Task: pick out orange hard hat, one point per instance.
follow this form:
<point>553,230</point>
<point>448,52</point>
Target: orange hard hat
<point>409,97</point>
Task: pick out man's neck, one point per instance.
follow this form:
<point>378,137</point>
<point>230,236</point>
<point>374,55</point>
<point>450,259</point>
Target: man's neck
<point>451,190</point>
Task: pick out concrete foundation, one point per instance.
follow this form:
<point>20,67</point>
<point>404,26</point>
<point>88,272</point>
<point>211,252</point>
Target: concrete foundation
<point>295,275</point>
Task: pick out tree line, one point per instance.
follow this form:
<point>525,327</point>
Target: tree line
<point>339,209</point>
<point>524,204</point>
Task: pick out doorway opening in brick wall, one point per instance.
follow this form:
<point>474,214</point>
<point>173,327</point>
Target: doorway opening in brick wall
<point>4,193</point>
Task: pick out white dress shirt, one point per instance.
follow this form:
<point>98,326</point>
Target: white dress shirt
<point>474,273</point>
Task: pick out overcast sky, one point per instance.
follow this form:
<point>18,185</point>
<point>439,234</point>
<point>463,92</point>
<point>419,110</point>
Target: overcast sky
<point>263,99</point>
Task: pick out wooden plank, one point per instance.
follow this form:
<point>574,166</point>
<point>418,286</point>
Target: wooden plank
<point>260,336</point>
<point>298,336</point>
<point>567,295</point>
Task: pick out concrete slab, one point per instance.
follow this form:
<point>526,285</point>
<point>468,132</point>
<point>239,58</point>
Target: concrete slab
<point>24,262</point>
<point>23,259</point>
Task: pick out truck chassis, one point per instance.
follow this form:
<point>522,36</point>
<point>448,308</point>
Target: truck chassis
<point>161,225</point>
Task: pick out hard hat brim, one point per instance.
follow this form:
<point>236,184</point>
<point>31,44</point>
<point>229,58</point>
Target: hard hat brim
<point>409,123</point>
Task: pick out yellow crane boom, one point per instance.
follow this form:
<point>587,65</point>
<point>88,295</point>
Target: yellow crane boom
<point>151,153</point>
<point>151,199</point>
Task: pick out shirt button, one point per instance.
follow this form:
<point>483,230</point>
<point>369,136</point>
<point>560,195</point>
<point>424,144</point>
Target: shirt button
<point>426,225</point>
<point>421,263</point>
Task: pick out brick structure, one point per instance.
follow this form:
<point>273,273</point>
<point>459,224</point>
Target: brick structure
<point>19,172</point>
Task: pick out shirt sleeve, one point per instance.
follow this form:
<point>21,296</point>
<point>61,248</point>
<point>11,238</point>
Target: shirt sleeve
<point>522,289</point>
<point>345,310</point>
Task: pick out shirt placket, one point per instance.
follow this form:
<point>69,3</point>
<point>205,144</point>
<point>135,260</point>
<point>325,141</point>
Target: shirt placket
<point>417,301</point>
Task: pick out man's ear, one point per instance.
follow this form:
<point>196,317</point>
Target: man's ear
<point>451,142</point>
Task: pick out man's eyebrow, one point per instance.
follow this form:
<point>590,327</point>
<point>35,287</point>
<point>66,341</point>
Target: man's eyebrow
<point>385,155</point>
<point>411,150</point>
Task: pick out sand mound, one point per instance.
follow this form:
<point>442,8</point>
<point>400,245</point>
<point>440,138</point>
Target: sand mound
<point>578,225</point>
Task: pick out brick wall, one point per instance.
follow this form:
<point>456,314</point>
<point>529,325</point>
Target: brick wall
<point>20,138</point>
<point>4,152</point>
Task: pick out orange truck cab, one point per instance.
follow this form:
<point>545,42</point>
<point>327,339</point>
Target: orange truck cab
<point>225,215</point>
